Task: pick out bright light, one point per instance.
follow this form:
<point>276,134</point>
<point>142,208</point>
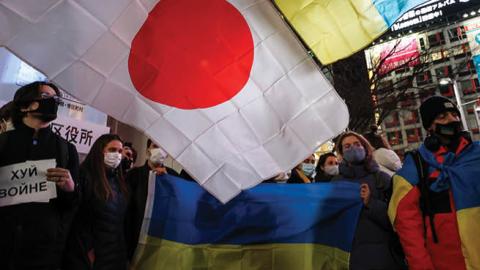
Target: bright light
<point>381,40</point>
<point>473,13</point>
<point>465,15</point>
<point>445,81</point>
<point>410,31</point>
<point>389,38</point>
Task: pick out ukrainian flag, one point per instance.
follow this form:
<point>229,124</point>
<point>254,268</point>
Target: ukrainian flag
<point>462,174</point>
<point>335,29</point>
<point>271,226</point>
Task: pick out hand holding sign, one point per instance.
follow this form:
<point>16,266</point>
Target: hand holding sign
<point>62,179</point>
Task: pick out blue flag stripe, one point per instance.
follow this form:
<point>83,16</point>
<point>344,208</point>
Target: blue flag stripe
<point>269,213</point>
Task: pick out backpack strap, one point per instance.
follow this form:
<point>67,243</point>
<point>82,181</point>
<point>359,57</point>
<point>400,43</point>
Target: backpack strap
<point>425,202</point>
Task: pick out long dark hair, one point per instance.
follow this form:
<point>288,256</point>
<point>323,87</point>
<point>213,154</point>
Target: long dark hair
<point>94,165</point>
<point>26,95</point>
<point>321,161</point>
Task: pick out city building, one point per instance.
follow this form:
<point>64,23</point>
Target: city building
<point>427,46</point>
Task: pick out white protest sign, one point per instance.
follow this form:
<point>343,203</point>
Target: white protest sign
<point>81,133</point>
<point>26,182</point>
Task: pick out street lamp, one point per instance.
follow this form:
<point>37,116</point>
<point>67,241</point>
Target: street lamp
<point>447,81</point>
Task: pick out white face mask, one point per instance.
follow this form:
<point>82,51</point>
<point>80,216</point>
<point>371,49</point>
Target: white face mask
<point>112,159</point>
<point>157,156</point>
<point>331,169</point>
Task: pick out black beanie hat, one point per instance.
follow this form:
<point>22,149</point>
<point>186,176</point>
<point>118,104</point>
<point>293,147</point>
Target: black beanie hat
<point>434,106</point>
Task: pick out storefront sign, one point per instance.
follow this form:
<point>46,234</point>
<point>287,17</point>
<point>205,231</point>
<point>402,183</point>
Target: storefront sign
<point>429,11</point>
<point>394,54</point>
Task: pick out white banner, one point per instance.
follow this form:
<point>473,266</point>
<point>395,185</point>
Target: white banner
<point>26,182</point>
<point>81,133</point>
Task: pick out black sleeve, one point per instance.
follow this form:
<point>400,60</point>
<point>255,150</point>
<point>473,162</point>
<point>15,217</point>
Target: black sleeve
<point>70,200</point>
<point>376,210</point>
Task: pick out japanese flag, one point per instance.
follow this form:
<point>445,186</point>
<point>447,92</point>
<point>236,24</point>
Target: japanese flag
<point>223,86</point>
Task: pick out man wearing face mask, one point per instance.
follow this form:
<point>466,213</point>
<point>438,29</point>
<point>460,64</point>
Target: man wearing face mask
<point>436,195</point>
<point>33,234</point>
<point>137,181</point>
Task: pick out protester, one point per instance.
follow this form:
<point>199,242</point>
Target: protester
<point>303,172</point>
<point>128,157</point>
<point>434,205</point>
<point>327,167</point>
<point>33,235</point>
<point>6,123</point>
<point>373,245</point>
<point>385,157</point>
<point>97,240</point>
<point>137,181</point>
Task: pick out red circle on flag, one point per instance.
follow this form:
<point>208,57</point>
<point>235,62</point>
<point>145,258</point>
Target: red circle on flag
<point>192,54</point>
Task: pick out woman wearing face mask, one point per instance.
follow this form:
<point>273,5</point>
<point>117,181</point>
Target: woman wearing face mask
<point>303,173</point>
<point>97,238</point>
<point>327,167</point>
<point>374,244</point>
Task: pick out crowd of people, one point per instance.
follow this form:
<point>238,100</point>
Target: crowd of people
<point>95,220</point>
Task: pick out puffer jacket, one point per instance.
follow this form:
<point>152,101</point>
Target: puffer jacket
<point>97,240</point>
<point>374,244</point>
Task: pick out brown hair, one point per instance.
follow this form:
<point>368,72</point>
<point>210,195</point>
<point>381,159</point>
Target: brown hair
<point>368,147</point>
<point>95,166</point>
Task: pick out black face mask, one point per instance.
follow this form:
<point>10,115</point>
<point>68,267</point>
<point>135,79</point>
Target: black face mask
<point>126,164</point>
<point>451,130</point>
<point>47,109</point>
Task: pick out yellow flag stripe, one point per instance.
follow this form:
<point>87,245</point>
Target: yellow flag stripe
<point>163,254</point>
<point>334,29</point>
<point>400,188</point>
<point>468,226</point>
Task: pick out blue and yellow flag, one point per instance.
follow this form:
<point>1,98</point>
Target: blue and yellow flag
<point>271,226</point>
<point>460,174</point>
<point>335,29</point>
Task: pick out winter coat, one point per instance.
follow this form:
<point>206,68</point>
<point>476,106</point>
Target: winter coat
<point>33,235</point>
<point>388,160</point>
<point>97,240</point>
<point>437,216</point>
<point>298,177</point>
<point>322,177</point>
<point>374,241</point>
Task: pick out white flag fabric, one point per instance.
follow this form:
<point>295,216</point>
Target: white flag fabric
<point>223,86</point>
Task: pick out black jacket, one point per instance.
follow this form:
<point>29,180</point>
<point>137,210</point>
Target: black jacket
<point>374,241</point>
<point>137,181</point>
<point>322,177</point>
<point>33,235</point>
<point>97,240</point>
<point>295,177</point>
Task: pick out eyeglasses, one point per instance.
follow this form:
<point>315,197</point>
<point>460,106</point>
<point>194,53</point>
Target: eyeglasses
<point>47,96</point>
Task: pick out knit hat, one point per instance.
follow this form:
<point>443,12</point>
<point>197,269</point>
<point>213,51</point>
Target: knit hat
<point>434,106</point>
